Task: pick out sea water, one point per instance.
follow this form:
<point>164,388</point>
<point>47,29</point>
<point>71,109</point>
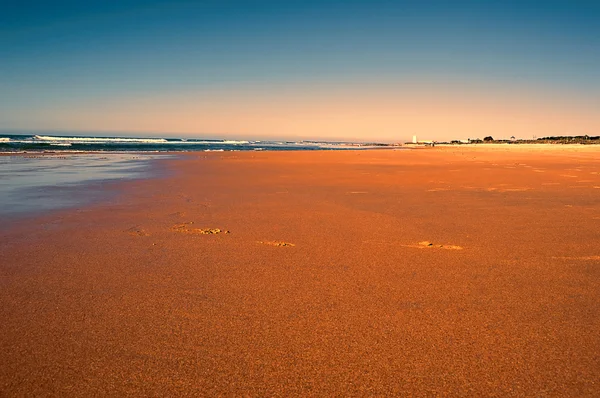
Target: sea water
<point>33,184</point>
<point>73,169</point>
<point>67,143</point>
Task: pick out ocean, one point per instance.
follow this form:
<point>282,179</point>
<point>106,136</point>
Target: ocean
<point>68,143</point>
<point>41,173</point>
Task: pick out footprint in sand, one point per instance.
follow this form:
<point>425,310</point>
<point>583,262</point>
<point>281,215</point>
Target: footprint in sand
<point>502,189</point>
<point>514,189</point>
<point>177,214</point>
<point>276,243</point>
<point>186,198</point>
<point>185,228</point>
<point>428,245</point>
<point>582,258</point>
<point>438,189</point>
<point>136,231</point>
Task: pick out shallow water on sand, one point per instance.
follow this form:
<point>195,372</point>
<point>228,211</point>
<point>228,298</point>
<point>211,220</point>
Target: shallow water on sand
<point>30,185</point>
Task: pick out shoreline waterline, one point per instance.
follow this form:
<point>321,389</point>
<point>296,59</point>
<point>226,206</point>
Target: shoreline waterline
<point>33,184</point>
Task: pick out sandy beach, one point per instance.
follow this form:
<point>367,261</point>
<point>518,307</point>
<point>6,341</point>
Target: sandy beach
<point>446,271</point>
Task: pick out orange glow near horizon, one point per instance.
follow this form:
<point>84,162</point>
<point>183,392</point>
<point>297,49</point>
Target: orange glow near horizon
<point>378,114</point>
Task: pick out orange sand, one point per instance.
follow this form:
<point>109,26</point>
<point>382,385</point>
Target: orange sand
<point>462,271</point>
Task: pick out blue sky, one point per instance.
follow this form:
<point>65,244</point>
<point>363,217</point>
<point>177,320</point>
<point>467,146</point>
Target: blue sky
<point>196,68</point>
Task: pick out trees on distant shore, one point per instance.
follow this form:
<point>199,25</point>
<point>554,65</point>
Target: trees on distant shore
<point>579,139</point>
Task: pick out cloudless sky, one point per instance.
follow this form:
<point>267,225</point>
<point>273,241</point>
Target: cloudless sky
<point>364,70</point>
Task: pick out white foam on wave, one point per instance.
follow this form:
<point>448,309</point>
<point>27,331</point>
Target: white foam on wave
<point>98,140</point>
<point>224,142</point>
<point>102,140</point>
<point>4,139</point>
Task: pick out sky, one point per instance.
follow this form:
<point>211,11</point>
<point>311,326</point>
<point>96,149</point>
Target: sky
<point>377,70</point>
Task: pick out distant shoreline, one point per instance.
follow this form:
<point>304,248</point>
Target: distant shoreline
<point>68,143</point>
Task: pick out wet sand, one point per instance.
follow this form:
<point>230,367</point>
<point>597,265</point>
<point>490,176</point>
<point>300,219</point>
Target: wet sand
<point>460,271</point>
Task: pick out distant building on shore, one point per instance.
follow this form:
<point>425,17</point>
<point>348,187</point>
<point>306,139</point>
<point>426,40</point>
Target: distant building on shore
<point>414,139</point>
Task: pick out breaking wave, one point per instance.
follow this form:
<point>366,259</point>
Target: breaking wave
<point>66,143</point>
<point>100,140</point>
